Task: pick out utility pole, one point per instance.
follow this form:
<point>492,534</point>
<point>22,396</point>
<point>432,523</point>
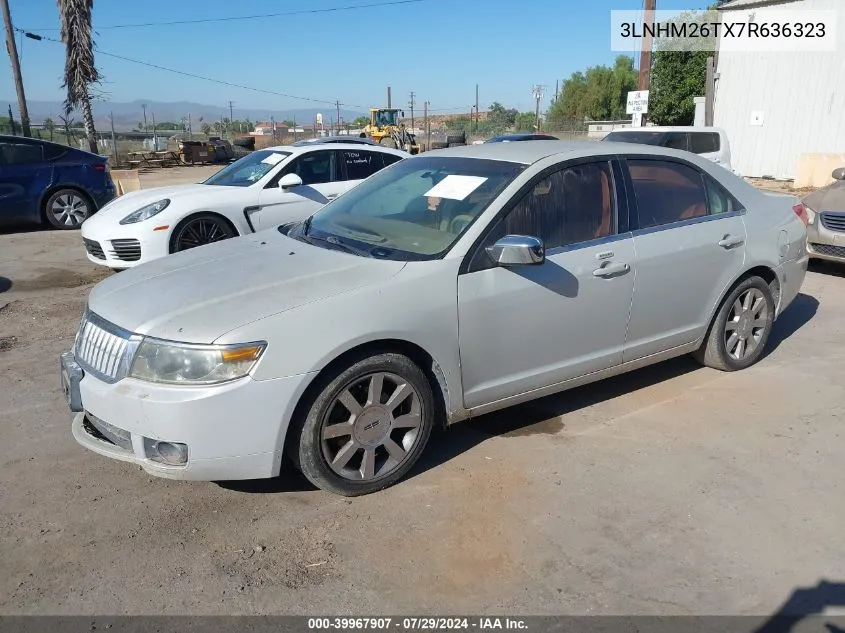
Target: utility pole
<point>190,129</point>
<point>155,137</point>
<point>388,98</point>
<point>557,88</point>
<point>113,140</point>
<point>476,108</point>
<point>273,127</point>
<point>412,103</point>
<point>231,121</point>
<point>644,80</point>
<point>425,126</point>
<point>337,105</point>
<point>537,91</point>
<point>146,129</point>
<point>12,48</point>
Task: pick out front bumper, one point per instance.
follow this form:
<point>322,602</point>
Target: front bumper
<point>825,243</point>
<point>232,431</point>
<point>124,250</point>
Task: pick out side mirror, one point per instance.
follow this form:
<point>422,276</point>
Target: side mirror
<point>839,174</point>
<point>290,180</point>
<point>517,250</point>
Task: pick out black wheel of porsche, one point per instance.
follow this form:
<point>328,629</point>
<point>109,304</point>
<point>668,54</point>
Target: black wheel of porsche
<point>197,230</point>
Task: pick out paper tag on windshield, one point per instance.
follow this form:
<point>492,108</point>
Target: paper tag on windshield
<point>273,159</point>
<point>455,187</point>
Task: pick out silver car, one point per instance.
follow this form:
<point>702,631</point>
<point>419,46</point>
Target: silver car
<point>446,286</point>
<point>825,211</point>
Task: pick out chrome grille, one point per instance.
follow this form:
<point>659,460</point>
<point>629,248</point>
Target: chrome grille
<point>126,250</point>
<point>833,221</point>
<point>94,249</point>
<point>103,348</point>
<point>828,249</point>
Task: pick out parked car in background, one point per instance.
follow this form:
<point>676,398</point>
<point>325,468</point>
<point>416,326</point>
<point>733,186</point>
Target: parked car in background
<point>43,182</point>
<point>336,340</point>
<point>263,189</point>
<point>510,138</point>
<point>826,215</point>
<point>710,142</point>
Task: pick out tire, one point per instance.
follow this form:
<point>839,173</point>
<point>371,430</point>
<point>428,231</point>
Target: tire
<point>365,462</point>
<point>67,209</point>
<point>198,230</point>
<point>439,145</point>
<point>456,139</point>
<point>718,351</point>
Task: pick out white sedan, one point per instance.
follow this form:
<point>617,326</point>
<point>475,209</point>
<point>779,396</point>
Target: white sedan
<point>452,284</point>
<point>266,188</point>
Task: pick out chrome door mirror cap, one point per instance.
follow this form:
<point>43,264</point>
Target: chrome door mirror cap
<point>517,250</point>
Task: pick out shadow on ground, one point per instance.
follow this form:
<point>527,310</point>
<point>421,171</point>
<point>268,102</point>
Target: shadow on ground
<point>5,284</point>
<point>542,416</point>
<point>826,268</point>
<point>807,603</point>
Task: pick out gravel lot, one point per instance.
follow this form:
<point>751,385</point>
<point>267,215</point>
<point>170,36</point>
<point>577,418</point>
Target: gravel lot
<point>672,490</point>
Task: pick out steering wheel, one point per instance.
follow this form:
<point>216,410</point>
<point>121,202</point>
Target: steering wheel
<point>460,222</point>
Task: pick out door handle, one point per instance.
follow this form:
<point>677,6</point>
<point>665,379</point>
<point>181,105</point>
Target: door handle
<point>729,241</point>
<point>611,269</point>
<point>331,196</point>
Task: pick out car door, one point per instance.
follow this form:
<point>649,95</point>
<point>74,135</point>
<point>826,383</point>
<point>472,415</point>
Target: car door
<point>689,236</point>
<point>526,327</point>
<point>23,177</point>
<point>321,182</point>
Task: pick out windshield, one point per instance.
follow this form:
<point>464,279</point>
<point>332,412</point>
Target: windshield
<point>248,170</point>
<point>390,117</point>
<point>643,138</point>
<point>414,210</point>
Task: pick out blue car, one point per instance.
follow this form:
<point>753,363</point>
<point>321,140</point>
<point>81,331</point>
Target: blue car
<point>42,181</point>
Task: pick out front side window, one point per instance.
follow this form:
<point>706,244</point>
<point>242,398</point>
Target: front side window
<point>360,165</point>
<point>667,192</point>
<point>21,153</point>
<point>314,167</point>
<point>573,205</point>
<point>248,170</point>
<point>415,210</point>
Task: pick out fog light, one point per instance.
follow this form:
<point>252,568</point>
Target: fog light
<point>172,453</point>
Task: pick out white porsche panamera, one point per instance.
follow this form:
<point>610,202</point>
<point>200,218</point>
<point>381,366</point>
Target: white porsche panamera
<point>264,189</point>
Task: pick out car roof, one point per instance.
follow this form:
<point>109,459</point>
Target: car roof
<point>669,128</point>
<point>528,152</point>
<point>523,137</point>
<point>309,147</point>
<point>335,140</point>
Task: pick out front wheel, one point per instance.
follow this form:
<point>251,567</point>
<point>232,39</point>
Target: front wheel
<point>198,230</point>
<point>741,327</point>
<point>367,426</point>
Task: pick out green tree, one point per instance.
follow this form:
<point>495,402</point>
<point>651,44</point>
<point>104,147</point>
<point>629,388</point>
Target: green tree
<point>360,122</point>
<point>49,124</point>
<point>80,72</point>
<point>525,122</point>
<point>598,94</point>
<point>500,118</point>
<point>678,73</point>
<point>205,128</point>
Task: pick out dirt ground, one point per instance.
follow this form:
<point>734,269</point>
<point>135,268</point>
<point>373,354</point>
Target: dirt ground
<point>671,490</point>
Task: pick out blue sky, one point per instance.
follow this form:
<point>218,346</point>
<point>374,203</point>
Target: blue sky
<point>503,45</point>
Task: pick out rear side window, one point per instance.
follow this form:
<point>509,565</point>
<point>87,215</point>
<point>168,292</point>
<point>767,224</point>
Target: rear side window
<point>718,199</point>
<point>52,152</point>
<point>704,142</point>
<point>667,192</point>
<point>21,153</point>
<point>675,140</point>
<point>389,159</point>
<point>360,165</point>
<point>570,206</point>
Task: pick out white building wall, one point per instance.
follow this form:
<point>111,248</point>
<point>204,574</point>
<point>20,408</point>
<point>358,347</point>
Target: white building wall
<point>800,97</point>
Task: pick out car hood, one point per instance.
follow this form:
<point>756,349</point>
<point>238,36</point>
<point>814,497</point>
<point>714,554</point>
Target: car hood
<point>196,296</point>
<point>829,198</point>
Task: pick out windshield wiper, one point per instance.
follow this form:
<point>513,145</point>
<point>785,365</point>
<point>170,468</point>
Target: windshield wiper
<point>335,242</point>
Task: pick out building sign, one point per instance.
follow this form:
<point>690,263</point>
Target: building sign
<point>637,102</point>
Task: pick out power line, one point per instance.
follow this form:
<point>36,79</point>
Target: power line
<point>99,51</point>
<point>248,17</point>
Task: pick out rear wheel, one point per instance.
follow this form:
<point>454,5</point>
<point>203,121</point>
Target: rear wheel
<point>741,327</point>
<point>67,209</point>
<point>197,230</point>
<point>367,426</point>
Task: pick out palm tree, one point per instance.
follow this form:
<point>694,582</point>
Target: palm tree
<point>80,72</point>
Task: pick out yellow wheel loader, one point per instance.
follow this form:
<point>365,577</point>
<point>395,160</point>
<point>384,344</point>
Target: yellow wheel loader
<point>386,129</point>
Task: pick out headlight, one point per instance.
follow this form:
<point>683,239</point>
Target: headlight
<point>182,363</point>
<point>811,215</point>
<point>145,213</point>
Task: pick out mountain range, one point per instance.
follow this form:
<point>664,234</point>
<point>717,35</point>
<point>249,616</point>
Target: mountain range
<point>128,115</point>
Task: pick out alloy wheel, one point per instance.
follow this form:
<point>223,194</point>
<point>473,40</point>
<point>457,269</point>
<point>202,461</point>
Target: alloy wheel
<point>201,231</point>
<point>69,210</point>
<point>746,324</point>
